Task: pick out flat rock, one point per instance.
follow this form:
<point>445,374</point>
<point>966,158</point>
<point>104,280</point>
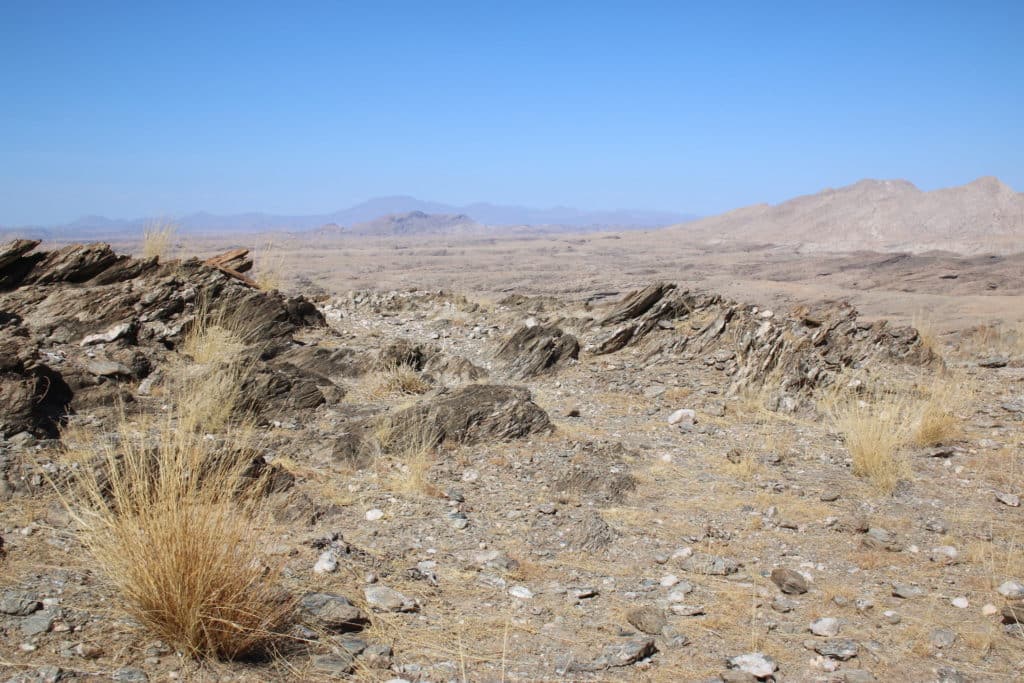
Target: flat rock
<point>1011,590</point>
<point>841,649</point>
<point>827,627</point>
<point>647,619</point>
<point>754,663</point>
<point>906,591</point>
<point>389,600</point>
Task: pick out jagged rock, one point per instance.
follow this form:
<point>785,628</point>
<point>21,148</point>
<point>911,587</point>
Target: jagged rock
<point>537,349</point>
<point>470,414</point>
<point>452,370</point>
<point>14,250</point>
<point>591,533</point>
<point>332,612</point>
<point>793,354</point>
<point>636,304</point>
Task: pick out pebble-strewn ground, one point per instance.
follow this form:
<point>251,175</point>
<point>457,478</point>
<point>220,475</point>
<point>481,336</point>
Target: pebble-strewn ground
<point>729,544</point>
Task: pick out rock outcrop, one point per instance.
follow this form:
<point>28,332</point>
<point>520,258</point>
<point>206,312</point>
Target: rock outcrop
<point>77,322</point>
<point>791,354</point>
<point>535,349</point>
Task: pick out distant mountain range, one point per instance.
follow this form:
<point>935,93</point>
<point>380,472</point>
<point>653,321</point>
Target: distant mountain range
<point>983,216</point>
<point>362,218</point>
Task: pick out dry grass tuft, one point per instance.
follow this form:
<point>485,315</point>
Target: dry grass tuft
<point>215,336</point>
<point>172,516</point>
<point>270,272</point>
<point>875,426</point>
<point>169,517</point>
<point>938,420</point>
<point>393,380</point>
<point>158,239</point>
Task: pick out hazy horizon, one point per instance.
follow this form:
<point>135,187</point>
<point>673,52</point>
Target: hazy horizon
<point>132,111</point>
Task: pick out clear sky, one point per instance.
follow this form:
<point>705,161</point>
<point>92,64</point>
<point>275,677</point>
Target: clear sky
<point>131,109</point>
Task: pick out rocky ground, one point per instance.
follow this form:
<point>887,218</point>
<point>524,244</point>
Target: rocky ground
<point>625,488</point>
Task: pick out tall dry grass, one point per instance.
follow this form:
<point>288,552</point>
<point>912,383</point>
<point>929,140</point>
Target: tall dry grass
<point>939,411</point>
<point>874,423</point>
<point>158,239</point>
<point>172,517</point>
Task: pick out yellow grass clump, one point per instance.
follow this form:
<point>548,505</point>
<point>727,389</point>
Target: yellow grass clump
<point>875,426</point>
<point>173,518</point>
<point>938,419</point>
<point>158,239</point>
<point>392,380</point>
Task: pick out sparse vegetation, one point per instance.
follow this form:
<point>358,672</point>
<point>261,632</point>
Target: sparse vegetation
<point>269,269</point>
<point>938,418</point>
<point>874,426</point>
<point>388,382</point>
<point>172,521</point>
<point>158,239</point>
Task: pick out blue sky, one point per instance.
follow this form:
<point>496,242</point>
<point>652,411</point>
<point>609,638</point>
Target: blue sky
<point>130,109</point>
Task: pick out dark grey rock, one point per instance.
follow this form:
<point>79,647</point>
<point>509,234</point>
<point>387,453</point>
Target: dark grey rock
<point>19,604</point>
<point>841,649</point>
<point>332,612</point>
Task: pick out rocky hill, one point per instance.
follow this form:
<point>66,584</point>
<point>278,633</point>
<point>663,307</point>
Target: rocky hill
<point>984,216</point>
<point>419,223</point>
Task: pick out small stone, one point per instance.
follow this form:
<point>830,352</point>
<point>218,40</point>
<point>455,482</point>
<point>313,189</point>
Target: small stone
<point>789,581</point>
<point>906,591</point>
<point>374,514</point>
<point>19,604</point>
<point>624,654</point>
<point>669,580</point>
<point>332,612</point>
<point>829,496</point>
<point>647,619</point>
<point>944,554</point>
<point>128,674</point>
<point>520,592</point>
<point>387,599</point>
<point>943,638</point>
<point>107,368</point>
<point>679,593</point>
<point>681,610</point>
<point>947,674</point>
<point>782,605</point>
<point>335,664</point>
<point>1013,613</point>
<point>683,416</point>
<point>856,676</point>
<point>892,617</point>
<point>88,651</point>
<point>1011,499</point>
<point>989,610</point>
<point>960,602</point>
<point>841,649</point>
<point>754,663</point>
<point>326,563</point>
<point>1011,590</point>
<point>38,623</point>
<point>827,627</point>
<point>546,508</point>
